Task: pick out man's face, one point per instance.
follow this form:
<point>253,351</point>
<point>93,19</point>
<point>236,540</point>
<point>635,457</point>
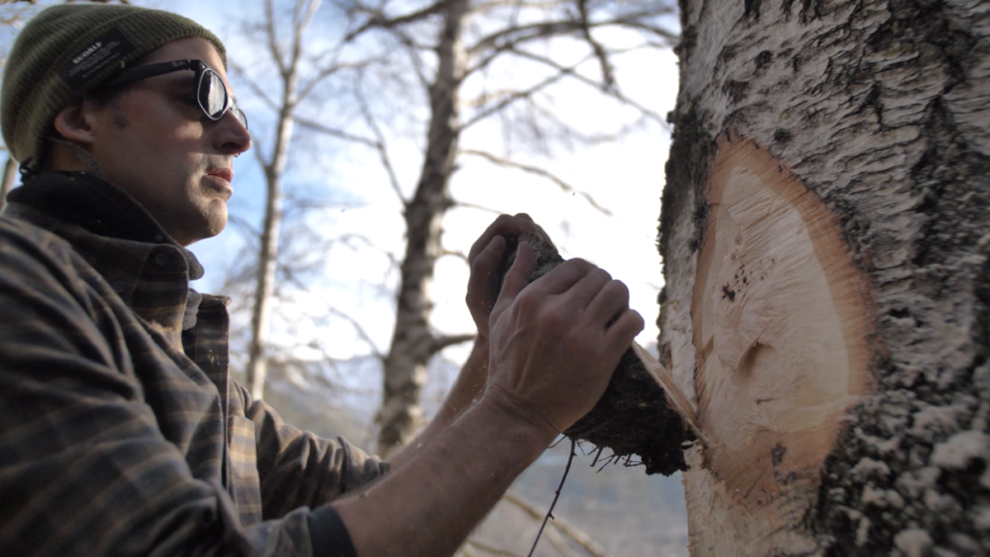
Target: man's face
<point>155,143</point>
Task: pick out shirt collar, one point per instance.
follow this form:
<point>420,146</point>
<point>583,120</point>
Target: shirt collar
<point>99,207</point>
<point>148,269</point>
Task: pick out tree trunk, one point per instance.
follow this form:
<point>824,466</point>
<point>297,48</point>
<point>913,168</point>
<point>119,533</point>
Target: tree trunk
<point>413,343</point>
<point>257,366</point>
<point>826,233</point>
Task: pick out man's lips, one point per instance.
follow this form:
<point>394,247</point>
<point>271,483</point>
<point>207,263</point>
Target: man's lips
<point>222,177</point>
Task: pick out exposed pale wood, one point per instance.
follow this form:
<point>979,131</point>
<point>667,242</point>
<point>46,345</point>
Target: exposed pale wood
<point>780,325</point>
<point>675,396</point>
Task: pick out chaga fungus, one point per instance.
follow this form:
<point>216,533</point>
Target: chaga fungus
<point>634,418</point>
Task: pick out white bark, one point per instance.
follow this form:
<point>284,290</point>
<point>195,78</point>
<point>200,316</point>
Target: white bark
<point>257,365</point>
<point>413,342</point>
<point>881,109</point>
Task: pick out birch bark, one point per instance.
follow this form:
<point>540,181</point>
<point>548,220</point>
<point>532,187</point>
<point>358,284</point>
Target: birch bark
<point>877,112</point>
<point>274,168</point>
<point>413,341</point>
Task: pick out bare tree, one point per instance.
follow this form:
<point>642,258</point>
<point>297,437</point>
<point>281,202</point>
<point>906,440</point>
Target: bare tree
<point>288,57</point>
<point>456,46</point>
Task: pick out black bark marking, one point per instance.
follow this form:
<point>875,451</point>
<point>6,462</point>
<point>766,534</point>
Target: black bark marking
<point>777,457</point>
<point>763,59</point>
<point>736,90</point>
<point>873,101</point>
<point>752,9</point>
<point>728,293</point>
<point>810,10</point>
<point>687,172</point>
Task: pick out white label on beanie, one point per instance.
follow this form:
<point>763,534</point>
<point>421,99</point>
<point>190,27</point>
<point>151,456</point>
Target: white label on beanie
<point>108,49</point>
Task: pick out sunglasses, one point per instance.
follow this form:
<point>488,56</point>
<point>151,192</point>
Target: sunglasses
<point>210,92</point>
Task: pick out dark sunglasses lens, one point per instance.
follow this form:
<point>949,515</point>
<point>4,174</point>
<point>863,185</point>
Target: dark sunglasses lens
<point>241,117</point>
<point>212,95</point>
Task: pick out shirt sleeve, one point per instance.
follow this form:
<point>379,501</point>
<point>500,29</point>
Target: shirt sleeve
<point>330,536</point>
<point>300,469</point>
<point>84,467</point>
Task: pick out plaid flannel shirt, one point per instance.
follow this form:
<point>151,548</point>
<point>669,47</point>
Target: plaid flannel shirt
<point>121,432</point>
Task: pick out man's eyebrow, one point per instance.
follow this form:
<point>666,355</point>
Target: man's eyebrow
<point>179,79</point>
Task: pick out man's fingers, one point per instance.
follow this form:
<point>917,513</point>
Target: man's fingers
<point>608,301</point>
<point>563,277</point>
<point>586,289</point>
<point>484,278</point>
<point>516,278</point>
<point>504,225</point>
<point>621,334</point>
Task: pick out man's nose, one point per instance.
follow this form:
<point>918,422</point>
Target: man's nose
<point>233,137</point>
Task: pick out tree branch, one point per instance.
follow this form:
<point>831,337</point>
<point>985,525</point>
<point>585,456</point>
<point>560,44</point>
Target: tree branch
<point>519,95</point>
<point>379,21</point>
<point>608,77</point>
<point>569,71</point>
<point>513,36</point>
<point>326,72</point>
<point>467,205</point>
<point>473,542</point>
<point>438,343</point>
<point>273,47</point>
<point>516,36</point>
<point>253,85</point>
<point>244,225</point>
<point>360,331</point>
<point>380,146</point>
<point>453,253</point>
<point>539,172</point>
<point>340,134</point>
<point>582,539</point>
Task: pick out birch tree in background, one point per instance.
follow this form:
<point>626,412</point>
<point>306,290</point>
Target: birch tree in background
<point>453,47</point>
<point>287,54</point>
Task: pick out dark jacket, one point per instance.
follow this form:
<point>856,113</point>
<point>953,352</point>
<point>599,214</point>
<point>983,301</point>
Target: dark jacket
<point>121,432</point>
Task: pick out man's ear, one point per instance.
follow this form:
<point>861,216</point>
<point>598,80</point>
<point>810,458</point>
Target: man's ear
<point>75,123</point>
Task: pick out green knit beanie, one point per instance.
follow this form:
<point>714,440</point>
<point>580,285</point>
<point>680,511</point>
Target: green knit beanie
<point>67,51</point>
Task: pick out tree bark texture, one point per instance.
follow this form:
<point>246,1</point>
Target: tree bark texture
<point>840,151</point>
<point>413,341</point>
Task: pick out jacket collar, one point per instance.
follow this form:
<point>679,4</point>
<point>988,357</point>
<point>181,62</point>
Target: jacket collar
<point>97,206</point>
<point>117,236</point>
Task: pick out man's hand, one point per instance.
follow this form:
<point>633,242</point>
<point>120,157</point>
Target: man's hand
<point>551,355</point>
<point>485,257</point>
<point>551,359</point>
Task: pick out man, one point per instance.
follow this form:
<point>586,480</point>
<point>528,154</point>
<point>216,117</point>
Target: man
<point>121,430</point>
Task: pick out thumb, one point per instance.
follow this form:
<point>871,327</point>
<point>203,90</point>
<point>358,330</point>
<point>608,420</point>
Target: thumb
<point>516,278</point>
